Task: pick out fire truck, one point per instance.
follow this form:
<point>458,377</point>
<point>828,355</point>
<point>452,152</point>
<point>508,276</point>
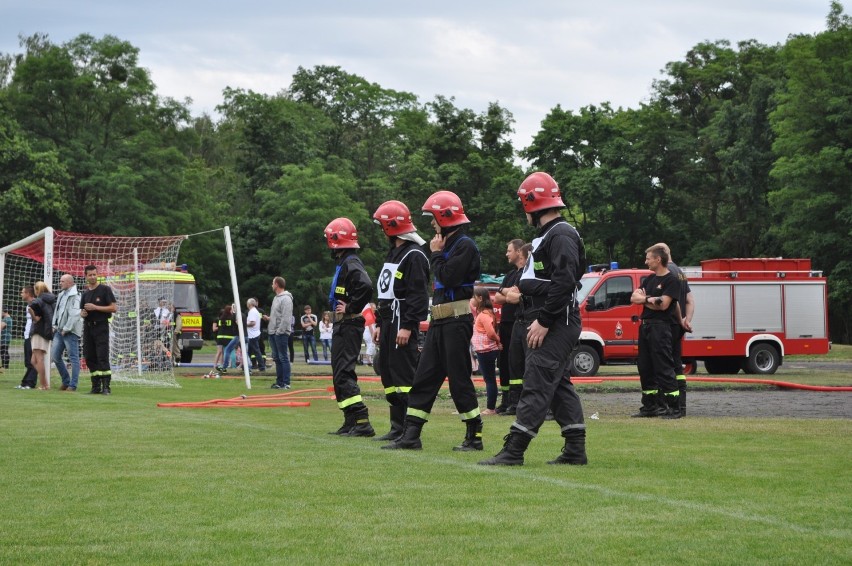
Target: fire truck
<point>186,311</point>
<point>749,314</point>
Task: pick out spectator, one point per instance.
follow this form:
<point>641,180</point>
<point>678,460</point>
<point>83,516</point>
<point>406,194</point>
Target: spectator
<point>291,338</point>
<point>369,328</point>
<point>326,327</point>
<point>486,344</point>
<point>253,332</point>
<point>41,310</point>
<point>309,341</point>
<point>279,329</point>
<point>5,340</point>
<point>30,375</point>
<point>67,330</point>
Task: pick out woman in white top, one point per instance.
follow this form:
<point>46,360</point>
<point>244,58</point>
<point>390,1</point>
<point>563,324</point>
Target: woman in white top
<point>325,328</point>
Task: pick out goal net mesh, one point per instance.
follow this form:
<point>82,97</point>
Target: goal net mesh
<point>140,344</point>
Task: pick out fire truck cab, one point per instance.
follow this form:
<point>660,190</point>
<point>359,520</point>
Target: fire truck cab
<point>749,314</point>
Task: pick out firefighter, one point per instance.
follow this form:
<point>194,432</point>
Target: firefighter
<point>551,318</point>
<point>403,294</point>
<point>659,295</point>
<point>512,354</point>
<point>97,305</point>
<point>351,291</point>
<point>681,325</point>
<point>446,351</point>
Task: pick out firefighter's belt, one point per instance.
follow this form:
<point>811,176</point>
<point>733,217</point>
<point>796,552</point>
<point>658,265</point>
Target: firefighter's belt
<point>338,316</point>
<point>446,310</point>
<point>530,302</point>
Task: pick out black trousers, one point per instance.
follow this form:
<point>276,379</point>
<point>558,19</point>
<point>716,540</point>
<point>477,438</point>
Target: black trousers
<point>547,381</point>
<point>96,348</point>
<point>345,349</point>
<point>656,364</point>
<point>30,375</point>
<point>397,364</point>
<point>505,332</point>
<point>446,354</point>
<point>4,355</point>
<point>677,348</point>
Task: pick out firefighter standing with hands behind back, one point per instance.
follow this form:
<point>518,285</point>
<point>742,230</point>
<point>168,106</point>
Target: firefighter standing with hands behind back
<point>446,352</point>
<point>403,304</point>
<point>351,290</point>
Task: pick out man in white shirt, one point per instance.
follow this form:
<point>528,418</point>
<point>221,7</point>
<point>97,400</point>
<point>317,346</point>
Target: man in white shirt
<point>253,332</point>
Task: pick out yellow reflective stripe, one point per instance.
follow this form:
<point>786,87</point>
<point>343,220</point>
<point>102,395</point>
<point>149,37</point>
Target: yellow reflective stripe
<point>224,336</point>
<point>470,414</point>
<point>516,382</point>
<point>681,377</point>
<point>673,394</point>
<point>404,389</point>
<point>155,275</point>
<point>417,413</point>
<point>389,390</point>
<point>505,387</point>
<point>101,373</point>
<point>351,401</point>
<point>651,392</point>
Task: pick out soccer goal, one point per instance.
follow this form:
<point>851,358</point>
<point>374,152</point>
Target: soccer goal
<point>136,268</point>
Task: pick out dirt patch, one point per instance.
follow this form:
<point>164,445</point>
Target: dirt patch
<point>740,403</point>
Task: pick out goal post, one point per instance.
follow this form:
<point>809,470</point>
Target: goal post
<point>138,271</point>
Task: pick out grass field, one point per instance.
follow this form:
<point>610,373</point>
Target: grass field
<point>117,480</point>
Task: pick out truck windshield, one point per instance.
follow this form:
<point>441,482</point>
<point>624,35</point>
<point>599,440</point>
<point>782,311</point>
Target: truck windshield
<point>588,281</point>
<point>186,297</point>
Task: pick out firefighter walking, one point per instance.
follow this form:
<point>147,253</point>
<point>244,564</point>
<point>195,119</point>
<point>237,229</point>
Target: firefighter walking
<point>446,352</point>
<point>403,294</point>
<point>551,318</point>
<point>351,291</point>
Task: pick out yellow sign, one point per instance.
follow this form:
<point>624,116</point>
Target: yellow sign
<point>191,321</point>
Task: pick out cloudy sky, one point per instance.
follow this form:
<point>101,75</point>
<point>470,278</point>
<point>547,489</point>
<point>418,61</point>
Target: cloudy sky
<point>527,55</point>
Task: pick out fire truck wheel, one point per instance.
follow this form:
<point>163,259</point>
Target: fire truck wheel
<point>376,366</point>
<point>185,356</point>
<point>690,367</point>
<point>763,359</point>
<point>723,365</point>
<point>585,362</point>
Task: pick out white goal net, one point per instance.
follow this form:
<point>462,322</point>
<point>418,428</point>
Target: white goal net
<point>136,268</point>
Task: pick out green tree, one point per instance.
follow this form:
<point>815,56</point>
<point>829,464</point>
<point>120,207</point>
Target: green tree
<point>31,185</point>
<point>813,123</point>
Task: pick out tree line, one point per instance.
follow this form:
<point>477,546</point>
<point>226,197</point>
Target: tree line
<point>741,151</point>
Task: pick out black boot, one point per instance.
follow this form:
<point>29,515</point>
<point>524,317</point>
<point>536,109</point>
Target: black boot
<point>410,439</point>
<point>473,436</point>
<point>397,417</point>
<point>650,407</point>
<point>512,454</point>
<point>512,405</point>
<point>362,426</point>
<point>673,406</point>
<point>681,385</point>
<point>574,451</point>
<point>348,423</point>
<point>96,386</point>
<point>504,403</point>
<point>105,390</point>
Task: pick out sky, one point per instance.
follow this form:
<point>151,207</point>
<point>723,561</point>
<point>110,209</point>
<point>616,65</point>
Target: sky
<point>528,56</point>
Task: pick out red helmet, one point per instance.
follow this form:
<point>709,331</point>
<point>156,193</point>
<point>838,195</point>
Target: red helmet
<point>447,209</point>
<point>539,192</point>
<point>341,234</point>
<point>394,218</point>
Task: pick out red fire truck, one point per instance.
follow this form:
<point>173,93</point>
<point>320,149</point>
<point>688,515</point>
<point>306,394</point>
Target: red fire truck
<point>749,314</point>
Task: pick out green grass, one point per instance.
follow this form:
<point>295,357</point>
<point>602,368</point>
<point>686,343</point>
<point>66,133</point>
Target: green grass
<point>117,480</point>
